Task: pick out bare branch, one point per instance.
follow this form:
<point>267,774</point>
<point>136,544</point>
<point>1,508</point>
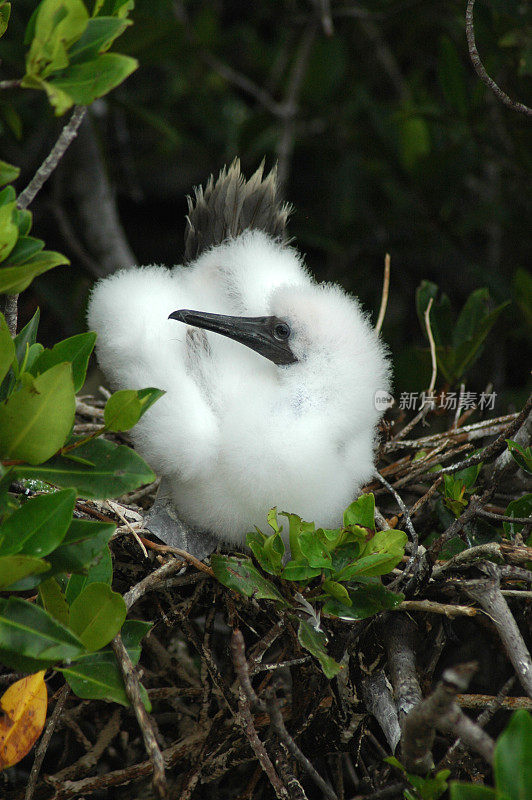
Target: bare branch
<point>132,688</point>
<point>481,70</point>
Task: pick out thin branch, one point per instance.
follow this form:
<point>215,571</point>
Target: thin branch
<point>488,594</point>
<point>132,688</point>
<point>481,70</point>
<point>496,447</point>
<point>66,137</point>
<point>279,727</point>
<point>45,741</point>
<point>11,84</point>
<point>385,290</point>
<point>399,639</point>
<point>247,697</point>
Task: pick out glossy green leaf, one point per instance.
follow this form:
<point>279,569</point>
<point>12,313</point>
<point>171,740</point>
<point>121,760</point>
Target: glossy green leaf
<point>295,526</point>
<point>101,572</point>
<point>467,351</point>
<point>312,549</point>
<point>30,639</point>
<point>15,568</point>
<point>39,525</point>
<point>37,418</point>
<point>522,455</point>
<point>82,546</point>
<point>27,336</point>
<point>299,571</point>
<point>96,676</point>
<point>23,220</point>
<point>25,248</point>
<point>7,348</point>
<point>57,25</point>
<point>97,37</point>
<point>8,173</point>
<point>85,82</point>
<point>54,601</point>
<point>366,601</point>
<point>513,758</point>
<point>97,615</point>
<point>8,232</point>
<point>122,410</point>
<point>370,565</point>
<point>337,591</point>
<point>14,280</point>
<point>117,469</point>
<point>315,641</point>
<point>76,349</point>
<point>361,512</point>
<point>240,575</point>
<point>522,507</point>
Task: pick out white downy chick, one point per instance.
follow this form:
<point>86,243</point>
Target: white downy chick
<point>270,383</point>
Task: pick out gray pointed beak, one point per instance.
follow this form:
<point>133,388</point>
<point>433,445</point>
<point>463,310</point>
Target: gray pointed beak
<point>259,333</point>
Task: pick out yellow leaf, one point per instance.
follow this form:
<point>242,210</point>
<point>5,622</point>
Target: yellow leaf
<point>23,708</point>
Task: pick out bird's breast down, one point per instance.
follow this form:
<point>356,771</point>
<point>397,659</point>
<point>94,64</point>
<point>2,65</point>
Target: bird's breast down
<point>272,459</point>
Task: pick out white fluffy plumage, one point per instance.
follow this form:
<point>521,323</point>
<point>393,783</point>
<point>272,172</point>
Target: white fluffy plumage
<point>235,433</point>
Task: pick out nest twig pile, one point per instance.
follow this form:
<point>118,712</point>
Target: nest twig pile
<point>239,709</point>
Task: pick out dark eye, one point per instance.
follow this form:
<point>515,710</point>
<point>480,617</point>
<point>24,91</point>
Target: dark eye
<point>281,331</point>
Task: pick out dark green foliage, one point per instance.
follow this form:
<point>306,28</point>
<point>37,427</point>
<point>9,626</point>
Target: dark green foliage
<point>348,561</point>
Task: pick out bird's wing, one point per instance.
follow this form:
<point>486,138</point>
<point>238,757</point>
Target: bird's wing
<point>138,346</point>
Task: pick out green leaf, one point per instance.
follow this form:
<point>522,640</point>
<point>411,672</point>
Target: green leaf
<point>14,280</point>
<point>255,541</point>
<point>37,418</point>
<point>96,676</point>
<point>53,600</point>
<point>522,455</point>
<point>314,551</point>
<point>8,232</point>
<point>8,173</point>
<point>23,220</point>
<point>15,568</point>
<point>27,336</point>
<point>117,469</point>
<point>314,641</point>
<point>98,36</point>
<point>82,546</point>
<point>38,526</point>
<point>5,11</point>
<point>101,572</point>
<point>369,566</point>
<point>366,601</point>
<point>471,791</point>
<point>57,25</point>
<point>361,512</point>
<point>76,349</point>
<point>337,591</point>
<point>295,527</point>
<point>125,407</point>
<point>30,639</point>
<point>97,615</point>
<point>299,571</point>
<point>522,507</point>
<point>513,758</point>
<point>240,575</point>
<point>441,319</point>
<point>470,318</point>
<point>24,249</point>
<point>83,83</point>
<point>7,348</point>
<point>391,542</point>
<point>467,351</point>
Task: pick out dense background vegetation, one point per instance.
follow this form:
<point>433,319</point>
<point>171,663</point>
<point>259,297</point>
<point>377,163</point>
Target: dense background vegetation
<point>394,145</point>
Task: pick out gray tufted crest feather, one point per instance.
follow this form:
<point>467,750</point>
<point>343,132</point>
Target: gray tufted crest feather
<point>230,205</point>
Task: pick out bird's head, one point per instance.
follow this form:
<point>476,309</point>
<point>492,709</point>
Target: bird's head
<point>315,332</point>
